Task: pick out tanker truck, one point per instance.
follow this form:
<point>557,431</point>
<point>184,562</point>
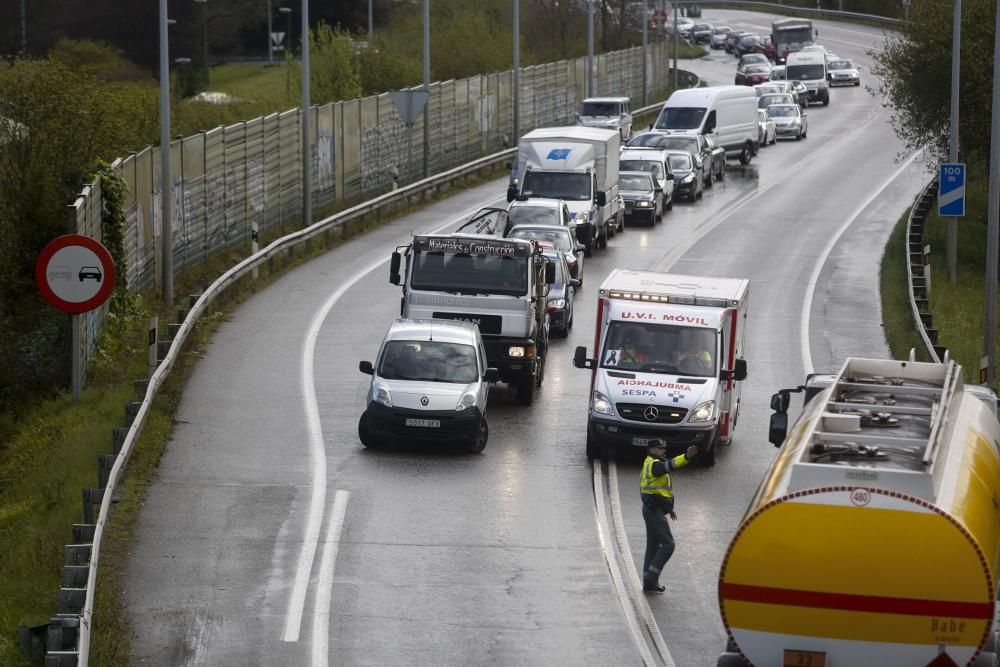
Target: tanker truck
<point>874,537</point>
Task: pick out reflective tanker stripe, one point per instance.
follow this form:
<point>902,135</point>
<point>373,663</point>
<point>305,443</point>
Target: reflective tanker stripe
<point>847,602</point>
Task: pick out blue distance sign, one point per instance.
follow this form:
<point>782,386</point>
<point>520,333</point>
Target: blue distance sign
<point>951,189</point>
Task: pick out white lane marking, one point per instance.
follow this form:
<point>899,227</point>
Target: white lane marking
<point>604,533</point>
<point>825,255</point>
<point>647,614</point>
<point>296,606</point>
<point>324,587</point>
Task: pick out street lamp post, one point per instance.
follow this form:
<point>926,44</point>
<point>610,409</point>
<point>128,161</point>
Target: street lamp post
<point>270,42</point>
<point>166,189</point>
<point>287,11</point>
<point>590,49</point>
<point>517,71</point>
<point>427,87</point>
<point>306,153</point>
<point>204,40</point>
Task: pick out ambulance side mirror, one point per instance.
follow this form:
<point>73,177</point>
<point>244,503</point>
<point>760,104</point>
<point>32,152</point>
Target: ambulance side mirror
<point>394,268</point>
<point>778,428</point>
<point>580,359</point>
<point>740,370</point>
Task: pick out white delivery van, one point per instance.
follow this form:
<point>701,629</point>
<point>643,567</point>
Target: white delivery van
<point>729,113</point>
<point>809,67</point>
<point>668,362</point>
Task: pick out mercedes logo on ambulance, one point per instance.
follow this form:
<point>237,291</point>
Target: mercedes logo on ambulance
<point>651,413</point>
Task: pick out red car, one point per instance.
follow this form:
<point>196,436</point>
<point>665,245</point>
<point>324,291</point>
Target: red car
<point>751,75</point>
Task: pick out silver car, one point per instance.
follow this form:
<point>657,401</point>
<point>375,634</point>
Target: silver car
<point>765,128</point>
<point>842,72</point>
<point>789,121</point>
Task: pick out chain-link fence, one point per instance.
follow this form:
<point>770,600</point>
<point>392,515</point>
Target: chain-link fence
<point>231,180</point>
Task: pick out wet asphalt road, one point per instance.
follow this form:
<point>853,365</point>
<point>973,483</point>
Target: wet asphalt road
<point>438,557</point>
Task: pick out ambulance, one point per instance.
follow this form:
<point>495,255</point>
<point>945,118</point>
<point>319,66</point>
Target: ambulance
<point>874,538</point>
<point>668,362</point>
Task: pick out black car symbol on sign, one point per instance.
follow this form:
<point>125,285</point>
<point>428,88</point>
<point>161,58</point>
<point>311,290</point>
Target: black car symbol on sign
<point>60,272</point>
<point>91,272</point>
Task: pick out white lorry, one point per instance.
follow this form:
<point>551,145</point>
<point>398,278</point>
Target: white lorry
<point>668,362</point>
<point>578,165</point>
<point>498,284</point>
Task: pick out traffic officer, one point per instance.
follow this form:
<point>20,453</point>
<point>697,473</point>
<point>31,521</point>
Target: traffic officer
<point>657,503</point>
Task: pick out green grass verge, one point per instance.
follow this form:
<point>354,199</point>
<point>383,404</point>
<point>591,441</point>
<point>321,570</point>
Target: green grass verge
<point>257,83</point>
<point>897,317</point>
<point>958,308</point>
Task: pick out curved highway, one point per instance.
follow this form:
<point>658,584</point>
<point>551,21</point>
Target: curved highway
<point>271,536</point>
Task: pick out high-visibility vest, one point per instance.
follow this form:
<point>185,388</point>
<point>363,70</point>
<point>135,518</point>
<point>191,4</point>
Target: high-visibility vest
<point>659,486</point>
<point>704,356</point>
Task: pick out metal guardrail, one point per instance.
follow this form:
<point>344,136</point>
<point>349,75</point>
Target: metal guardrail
<point>917,287</point>
<point>141,410</point>
<point>784,9</point>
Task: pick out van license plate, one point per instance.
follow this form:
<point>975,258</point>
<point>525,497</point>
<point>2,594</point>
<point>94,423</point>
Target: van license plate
<point>425,423</point>
<point>640,442</point>
<point>795,658</point>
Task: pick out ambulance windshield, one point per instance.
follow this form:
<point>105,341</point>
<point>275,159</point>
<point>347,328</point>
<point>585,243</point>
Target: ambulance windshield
<point>660,348</point>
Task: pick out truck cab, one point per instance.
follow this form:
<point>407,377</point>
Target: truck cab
<point>498,284</point>
<point>668,362</point>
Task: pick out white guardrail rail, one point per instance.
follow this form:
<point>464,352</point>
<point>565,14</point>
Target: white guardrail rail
<point>917,277</point>
<point>81,655</point>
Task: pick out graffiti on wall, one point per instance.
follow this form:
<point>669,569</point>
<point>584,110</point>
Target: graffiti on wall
<point>486,112</point>
<point>323,161</point>
<point>383,153</point>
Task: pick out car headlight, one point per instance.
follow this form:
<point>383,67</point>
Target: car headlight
<point>644,204</point>
<point>796,121</point>
<point>515,351</point>
<point>601,405</point>
<point>704,412</point>
<point>381,394</point>
<point>557,304</point>
<point>688,178</point>
<point>467,400</point>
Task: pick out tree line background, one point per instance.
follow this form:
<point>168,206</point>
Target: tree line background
<point>85,90</point>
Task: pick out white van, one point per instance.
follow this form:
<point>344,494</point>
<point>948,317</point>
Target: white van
<point>809,67</point>
<point>608,113</point>
<point>727,112</point>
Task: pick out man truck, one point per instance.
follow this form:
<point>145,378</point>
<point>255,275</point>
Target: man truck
<point>668,362</point>
<point>498,284</point>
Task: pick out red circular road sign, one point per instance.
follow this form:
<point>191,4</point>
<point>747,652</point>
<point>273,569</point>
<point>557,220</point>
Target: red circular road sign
<point>75,273</point>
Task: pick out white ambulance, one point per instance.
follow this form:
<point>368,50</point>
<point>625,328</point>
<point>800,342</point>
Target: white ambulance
<point>667,362</point>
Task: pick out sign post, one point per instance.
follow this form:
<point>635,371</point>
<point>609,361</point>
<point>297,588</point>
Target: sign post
<point>75,274</point>
<point>951,189</point>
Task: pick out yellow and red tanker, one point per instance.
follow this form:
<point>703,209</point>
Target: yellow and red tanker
<point>874,538</point>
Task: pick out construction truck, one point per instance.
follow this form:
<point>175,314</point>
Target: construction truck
<point>498,284</point>
<point>874,537</point>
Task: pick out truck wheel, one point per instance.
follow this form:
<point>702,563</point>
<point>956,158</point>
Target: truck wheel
<point>526,390</point>
<point>826,101</point>
<point>478,443</point>
<point>364,432</point>
<point>707,458</point>
<point>746,154</point>
<point>731,660</point>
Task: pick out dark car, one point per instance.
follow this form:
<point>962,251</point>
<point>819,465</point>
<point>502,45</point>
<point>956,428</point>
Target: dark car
<point>688,182</point>
<point>90,273</point>
<point>642,195</point>
<point>748,43</point>
<point>732,39</point>
<point>702,148</point>
<point>701,33</point>
<point>561,240</point>
<point>751,75</point>
<point>561,292</point>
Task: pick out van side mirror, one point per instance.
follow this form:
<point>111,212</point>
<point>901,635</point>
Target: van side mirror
<point>366,367</point>
<point>509,165</point>
<point>740,370</point>
<point>601,199</point>
<point>550,272</point>
<point>778,428</point>
<point>511,194</point>
<point>574,282</point>
<point>491,375</point>
<point>580,359</point>
<point>394,268</point>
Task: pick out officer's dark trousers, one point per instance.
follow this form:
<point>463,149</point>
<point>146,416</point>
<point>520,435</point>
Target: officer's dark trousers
<point>659,543</point>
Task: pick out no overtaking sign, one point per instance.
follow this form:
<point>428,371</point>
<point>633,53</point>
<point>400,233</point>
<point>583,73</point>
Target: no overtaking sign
<point>75,273</point>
